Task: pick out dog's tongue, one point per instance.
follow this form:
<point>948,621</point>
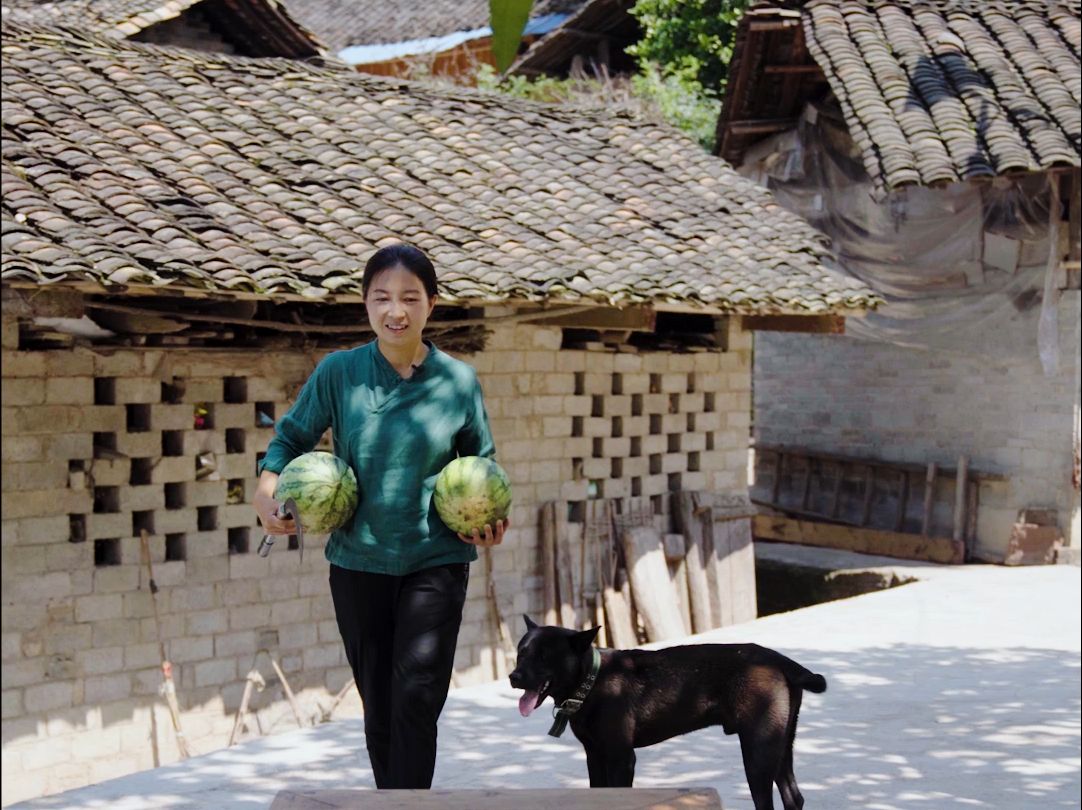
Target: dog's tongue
<point>527,703</point>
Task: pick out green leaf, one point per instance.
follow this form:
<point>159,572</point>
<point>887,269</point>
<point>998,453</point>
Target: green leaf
<point>508,18</point>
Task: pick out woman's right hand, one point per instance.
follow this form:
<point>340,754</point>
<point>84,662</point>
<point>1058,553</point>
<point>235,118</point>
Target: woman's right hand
<point>266,507</point>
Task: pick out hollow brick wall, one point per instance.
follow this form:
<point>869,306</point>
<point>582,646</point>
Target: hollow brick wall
<point>80,654</point>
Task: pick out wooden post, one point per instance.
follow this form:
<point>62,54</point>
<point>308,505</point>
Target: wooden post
<point>548,562</point>
<point>929,496</point>
<point>960,499</point>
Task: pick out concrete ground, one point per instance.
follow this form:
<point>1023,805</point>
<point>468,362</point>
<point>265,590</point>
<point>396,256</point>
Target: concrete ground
<point>959,690</point>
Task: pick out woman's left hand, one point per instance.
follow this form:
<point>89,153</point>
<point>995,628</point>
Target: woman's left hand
<point>488,537</point>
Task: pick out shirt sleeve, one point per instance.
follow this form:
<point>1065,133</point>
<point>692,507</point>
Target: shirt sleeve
<point>301,428</point>
<point>475,437</point>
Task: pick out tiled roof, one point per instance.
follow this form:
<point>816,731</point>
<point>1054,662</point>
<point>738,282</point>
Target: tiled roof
<point>581,33</point>
<point>130,165</point>
<point>341,23</point>
<point>944,90</point>
<point>264,27</point>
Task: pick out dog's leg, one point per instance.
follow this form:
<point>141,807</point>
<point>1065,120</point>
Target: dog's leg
<point>791,797</point>
<point>620,767</point>
<point>762,751</point>
<point>595,765</point>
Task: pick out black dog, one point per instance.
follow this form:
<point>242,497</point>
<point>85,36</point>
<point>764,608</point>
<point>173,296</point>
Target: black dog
<point>620,700</point>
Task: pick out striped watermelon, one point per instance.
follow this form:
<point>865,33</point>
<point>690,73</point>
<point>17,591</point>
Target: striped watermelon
<point>324,488</point>
<point>472,492</point>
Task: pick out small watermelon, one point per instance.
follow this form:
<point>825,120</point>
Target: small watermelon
<point>324,489</point>
<point>472,492</point>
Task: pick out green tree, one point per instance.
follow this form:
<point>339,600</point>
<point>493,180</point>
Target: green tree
<point>690,41</point>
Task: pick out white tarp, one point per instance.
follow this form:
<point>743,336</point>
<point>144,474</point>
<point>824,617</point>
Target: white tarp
<point>952,263</point>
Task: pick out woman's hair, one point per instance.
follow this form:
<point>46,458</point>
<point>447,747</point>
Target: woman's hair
<point>405,256</point>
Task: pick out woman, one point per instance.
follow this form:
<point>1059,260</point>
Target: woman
<point>400,410</point>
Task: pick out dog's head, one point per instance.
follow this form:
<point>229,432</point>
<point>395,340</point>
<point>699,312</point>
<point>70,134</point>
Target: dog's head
<point>549,663</point>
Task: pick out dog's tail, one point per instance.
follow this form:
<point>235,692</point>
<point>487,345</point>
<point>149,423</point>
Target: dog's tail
<point>804,677</point>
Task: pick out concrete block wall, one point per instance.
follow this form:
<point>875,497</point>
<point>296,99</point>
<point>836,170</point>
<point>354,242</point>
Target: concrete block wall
<point>991,402</point>
<point>100,444</point>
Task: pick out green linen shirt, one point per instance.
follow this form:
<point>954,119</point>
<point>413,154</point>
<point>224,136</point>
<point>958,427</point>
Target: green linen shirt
<point>397,434</point>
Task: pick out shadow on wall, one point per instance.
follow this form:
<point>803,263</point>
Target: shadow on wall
<point>906,727</point>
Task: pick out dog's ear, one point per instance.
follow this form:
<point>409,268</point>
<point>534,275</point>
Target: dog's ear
<point>582,641</point>
<point>530,624</point>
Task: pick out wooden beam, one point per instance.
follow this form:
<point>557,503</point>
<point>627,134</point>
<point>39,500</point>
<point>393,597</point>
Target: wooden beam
<point>852,538</point>
<point>635,319</point>
<point>775,25</point>
<point>812,324</point>
<point>761,126</point>
<point>786,69</point>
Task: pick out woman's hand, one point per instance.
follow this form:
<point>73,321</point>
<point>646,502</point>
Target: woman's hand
<point>267,508</point>
<point>488,537</point>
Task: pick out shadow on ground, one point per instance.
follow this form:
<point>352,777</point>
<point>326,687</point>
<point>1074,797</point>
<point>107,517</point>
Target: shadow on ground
<point>904,727</point>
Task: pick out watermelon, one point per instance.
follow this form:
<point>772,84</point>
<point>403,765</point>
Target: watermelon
<point>324,489</point>
<point>472,492</point>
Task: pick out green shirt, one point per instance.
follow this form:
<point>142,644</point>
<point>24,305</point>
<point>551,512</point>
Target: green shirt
<point>397,434</point>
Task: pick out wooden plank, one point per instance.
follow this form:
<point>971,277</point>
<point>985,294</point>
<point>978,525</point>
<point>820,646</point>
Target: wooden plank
<point>501,798</point>
<point>574,539</point>
<point>807,483</point>
<point>720,568</point>
<point>960,498</point>
<point>648,573</point>
<point>678,574</point>
<point>835,495</point>
<point>548,562</point>
<point>743,599</point>
<point>727,522</point>
<point>775,489</point>
<point>867,541</point>
<point>621,628</point>
<point>698,585</point>
<point>903,501</point>
<point>869,491</point>
<point>929,499</point>
<point>564,586</point>
<point>972,498</point>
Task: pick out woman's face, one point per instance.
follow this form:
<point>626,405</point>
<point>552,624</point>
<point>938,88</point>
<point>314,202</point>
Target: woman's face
<point>398,306</point>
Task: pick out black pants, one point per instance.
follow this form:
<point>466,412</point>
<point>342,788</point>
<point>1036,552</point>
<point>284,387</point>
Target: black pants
<point>400,634</point>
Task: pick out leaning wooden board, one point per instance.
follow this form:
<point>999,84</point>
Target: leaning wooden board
<point>655,597</point>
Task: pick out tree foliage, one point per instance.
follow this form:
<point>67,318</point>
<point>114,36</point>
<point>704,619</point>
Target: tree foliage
<point>689,40</point>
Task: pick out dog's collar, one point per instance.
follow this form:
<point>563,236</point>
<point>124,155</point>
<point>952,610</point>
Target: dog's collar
<point>562,713</point>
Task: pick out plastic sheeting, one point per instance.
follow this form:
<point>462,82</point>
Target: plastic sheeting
<point>954,263</point>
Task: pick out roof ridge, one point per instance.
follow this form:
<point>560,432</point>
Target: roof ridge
<point>57,36</point>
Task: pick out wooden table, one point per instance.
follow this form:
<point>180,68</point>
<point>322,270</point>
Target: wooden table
<point>501,799</point>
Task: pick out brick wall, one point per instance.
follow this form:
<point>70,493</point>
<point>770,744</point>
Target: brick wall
<point>80,656</point>
<point>992,403</point>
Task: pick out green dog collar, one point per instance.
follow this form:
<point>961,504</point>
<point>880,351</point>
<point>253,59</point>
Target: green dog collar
<point>562,713</point>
